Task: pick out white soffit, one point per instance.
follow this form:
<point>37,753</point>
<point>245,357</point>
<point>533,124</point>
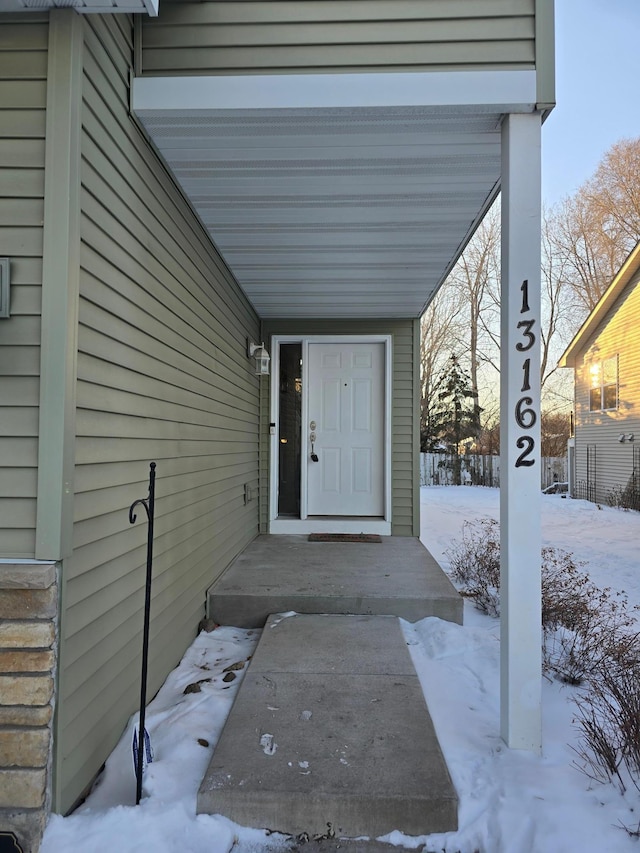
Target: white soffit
<point>336,195</point>
<point>83,6</point>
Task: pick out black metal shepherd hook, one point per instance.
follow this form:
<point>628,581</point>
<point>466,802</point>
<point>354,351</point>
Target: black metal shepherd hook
<point>149,505</point>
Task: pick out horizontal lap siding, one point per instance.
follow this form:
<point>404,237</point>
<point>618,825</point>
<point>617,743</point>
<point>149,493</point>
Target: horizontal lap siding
<point>271,36</point>
<point>23,92</point>
<point>404,464</point>
<point>163,376</point>
<point>618,334</point>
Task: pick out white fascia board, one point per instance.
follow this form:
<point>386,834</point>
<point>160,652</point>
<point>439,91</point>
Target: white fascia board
<point>84,7</point>
<point>504,91</point>
<point>129,7</point>
<point>622,278</point>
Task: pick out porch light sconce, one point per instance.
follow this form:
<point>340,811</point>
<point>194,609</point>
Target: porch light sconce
<point>630,437</point>
<point>259,352</point>
<point>4,288</point>
<point>622,437</point>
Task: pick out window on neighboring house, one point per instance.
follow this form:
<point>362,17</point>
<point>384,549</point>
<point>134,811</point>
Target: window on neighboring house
<point>603,393</point>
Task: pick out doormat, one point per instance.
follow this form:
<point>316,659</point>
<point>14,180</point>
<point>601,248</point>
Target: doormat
<point>344,537</point>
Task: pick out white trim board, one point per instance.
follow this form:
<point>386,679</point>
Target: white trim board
<point>295,526</point>
<point>501,91</point>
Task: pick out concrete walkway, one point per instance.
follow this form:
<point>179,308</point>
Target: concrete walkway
<point>330,733</point>
<point>274,574</point>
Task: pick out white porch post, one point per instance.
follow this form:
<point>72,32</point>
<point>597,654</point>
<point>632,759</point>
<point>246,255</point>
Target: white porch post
<point>520,496</point>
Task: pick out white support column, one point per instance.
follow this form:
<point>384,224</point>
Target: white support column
<point>520,496</point>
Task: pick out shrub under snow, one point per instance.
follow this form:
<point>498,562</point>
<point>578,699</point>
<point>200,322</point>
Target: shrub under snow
<point>589,638</point>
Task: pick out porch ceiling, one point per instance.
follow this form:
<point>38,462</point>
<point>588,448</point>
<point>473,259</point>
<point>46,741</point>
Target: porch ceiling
<point>335,211</point>
<point>83,6</point>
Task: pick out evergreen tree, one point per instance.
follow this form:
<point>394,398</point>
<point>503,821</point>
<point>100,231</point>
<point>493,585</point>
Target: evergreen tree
<point>454,415</point>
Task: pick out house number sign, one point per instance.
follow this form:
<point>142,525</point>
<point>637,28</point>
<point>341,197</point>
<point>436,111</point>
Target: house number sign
<point>525,414</point>
<point>9,843</point>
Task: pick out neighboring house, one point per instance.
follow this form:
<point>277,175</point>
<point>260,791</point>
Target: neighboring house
<point>173,188</point>
<point>605,354</point>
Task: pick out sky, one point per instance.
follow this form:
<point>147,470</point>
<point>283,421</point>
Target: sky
<point>597,73</point>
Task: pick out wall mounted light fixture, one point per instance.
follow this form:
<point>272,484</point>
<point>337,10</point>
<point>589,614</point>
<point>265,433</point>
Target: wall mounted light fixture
<point>622,437</point>
<point>4,287</point>
<point>259,352</point>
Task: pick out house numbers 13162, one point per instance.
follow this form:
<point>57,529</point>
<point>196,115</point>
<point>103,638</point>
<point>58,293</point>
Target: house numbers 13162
<point>526,415</point>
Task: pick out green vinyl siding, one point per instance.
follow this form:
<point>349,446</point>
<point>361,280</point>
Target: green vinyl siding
<point>23,93</point>
<point>162,375</point>
<point>404,410</point>
<point>272,36</point>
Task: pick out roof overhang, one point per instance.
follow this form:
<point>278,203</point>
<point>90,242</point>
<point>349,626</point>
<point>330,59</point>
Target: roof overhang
<point>83,6</point>
<point>627,271</point>
<point>336,195</point>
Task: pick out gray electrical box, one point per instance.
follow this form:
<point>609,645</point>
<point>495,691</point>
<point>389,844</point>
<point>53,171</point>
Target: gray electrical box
<point>4,287</point>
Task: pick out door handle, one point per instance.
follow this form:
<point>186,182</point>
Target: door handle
<point>314,455</point>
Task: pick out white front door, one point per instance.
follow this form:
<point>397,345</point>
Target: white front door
<point>345,429</point>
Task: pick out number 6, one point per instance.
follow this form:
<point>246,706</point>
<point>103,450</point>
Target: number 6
<point>525,415</point>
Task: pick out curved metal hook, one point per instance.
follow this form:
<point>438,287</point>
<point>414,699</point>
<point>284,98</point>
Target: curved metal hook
<point>145,504</point>
<point>144,501</point>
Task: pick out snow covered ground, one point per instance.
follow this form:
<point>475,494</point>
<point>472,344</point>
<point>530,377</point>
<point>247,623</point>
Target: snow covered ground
<point>510,802</point>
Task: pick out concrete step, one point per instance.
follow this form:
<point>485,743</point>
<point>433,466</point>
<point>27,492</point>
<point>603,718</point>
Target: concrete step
<point>275,574</point>
<point>330,733</point>
<point>331,845</point>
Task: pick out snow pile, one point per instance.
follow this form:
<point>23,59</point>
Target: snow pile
<point>184,722</point>
<point>510,802</point>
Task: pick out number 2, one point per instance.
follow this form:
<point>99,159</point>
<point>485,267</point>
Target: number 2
<point>528,443</point>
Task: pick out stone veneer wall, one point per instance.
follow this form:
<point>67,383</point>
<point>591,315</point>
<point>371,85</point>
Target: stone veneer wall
<point>28,641</point>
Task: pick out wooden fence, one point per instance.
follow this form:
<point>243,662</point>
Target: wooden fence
<point>439,469</point>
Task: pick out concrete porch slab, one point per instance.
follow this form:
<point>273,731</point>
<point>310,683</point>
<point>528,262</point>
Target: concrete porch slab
<point>330,727</point>
<point>276,574</point>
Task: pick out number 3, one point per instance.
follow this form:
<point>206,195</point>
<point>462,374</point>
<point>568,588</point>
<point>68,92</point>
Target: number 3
<point>527,325</point>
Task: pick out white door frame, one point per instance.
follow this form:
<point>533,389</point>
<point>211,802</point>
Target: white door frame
<point>324,525</point>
